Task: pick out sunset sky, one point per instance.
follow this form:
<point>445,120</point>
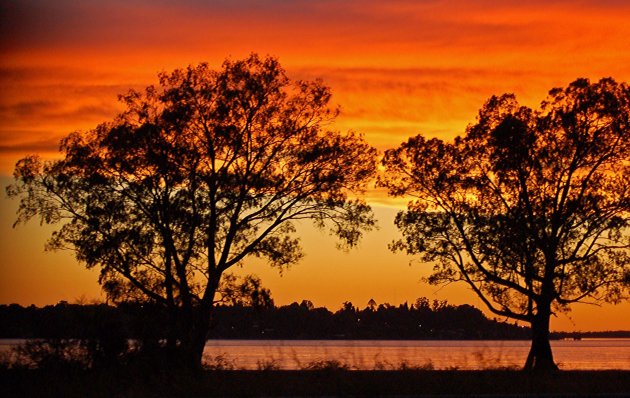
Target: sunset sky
<point>396,69</point>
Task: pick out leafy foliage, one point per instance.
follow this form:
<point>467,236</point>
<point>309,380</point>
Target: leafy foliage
<point>197,174</point>
<point>531,207</point>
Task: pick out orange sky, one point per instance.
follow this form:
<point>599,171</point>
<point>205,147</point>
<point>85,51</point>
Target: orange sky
<point>397,68</point>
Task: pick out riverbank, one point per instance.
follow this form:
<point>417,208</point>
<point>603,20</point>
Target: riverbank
<point>322,382</point>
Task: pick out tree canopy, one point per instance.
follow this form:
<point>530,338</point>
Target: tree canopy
<point>531,208</point>
<point>198,173</point>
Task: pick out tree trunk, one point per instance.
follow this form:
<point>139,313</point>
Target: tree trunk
<point>197,326</point>
<point>195,338</point>
<point>540,358</point>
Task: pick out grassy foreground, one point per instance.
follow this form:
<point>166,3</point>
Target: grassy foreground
<point>337,382</point>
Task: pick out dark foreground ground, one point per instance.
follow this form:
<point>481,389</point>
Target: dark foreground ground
<point>328,383</point>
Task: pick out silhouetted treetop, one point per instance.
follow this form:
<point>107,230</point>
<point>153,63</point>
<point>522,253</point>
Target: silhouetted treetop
<point>531,208</point>
<point>241,320</point>
<point>195,175</point>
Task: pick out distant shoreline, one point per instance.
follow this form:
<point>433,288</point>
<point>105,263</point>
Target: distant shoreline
<point>424,321</point>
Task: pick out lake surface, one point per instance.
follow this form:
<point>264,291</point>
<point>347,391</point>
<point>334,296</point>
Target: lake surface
<point>586,354</point>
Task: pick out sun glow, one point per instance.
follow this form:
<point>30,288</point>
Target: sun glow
<point>396,69</point>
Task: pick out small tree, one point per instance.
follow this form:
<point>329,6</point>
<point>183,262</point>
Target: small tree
<point>530,208</point>
<point>197,174</point>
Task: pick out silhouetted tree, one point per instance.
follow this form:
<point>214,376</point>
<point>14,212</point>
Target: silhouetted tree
<point>244,292</point>
<point>530,208</point>
<point>198,173</point>
<point>106,329</point>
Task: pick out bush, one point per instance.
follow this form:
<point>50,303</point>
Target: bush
<point>51,354</point>
<point>63,354</point>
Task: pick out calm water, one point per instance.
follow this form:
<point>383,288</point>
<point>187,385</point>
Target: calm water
<point>584,354</point>
<point>440,354</point>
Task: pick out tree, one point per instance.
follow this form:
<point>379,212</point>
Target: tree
<point>197,174</point>
<point>530,208</point>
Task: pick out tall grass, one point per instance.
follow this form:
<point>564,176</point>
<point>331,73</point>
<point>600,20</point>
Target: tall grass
<point>290,358</point>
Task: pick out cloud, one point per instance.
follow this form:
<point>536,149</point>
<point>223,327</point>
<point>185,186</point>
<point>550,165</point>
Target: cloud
<point>390,104</point>
<point>52,101</point>
<point>26,108</point>
<point>32,146</point>
<point>396,68</point>
<point>341,32</point>
<point>60,111</point>
<point>36,71</point>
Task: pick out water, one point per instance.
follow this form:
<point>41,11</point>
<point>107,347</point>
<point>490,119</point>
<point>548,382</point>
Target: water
<point>587,354</point>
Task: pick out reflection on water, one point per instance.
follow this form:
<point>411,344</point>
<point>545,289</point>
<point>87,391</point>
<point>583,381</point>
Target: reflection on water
<point>439,354</point>
<point>586,354</point>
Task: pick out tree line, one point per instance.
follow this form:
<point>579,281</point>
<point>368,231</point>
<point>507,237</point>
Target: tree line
<point>530,207</point>
<point>420,320</point>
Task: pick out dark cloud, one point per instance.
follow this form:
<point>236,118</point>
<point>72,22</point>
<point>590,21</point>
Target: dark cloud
<point>32,146</point>
<point>38,74</point>
<point>35,108</point>
<point>79,103</point>
<point>203,24</point>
